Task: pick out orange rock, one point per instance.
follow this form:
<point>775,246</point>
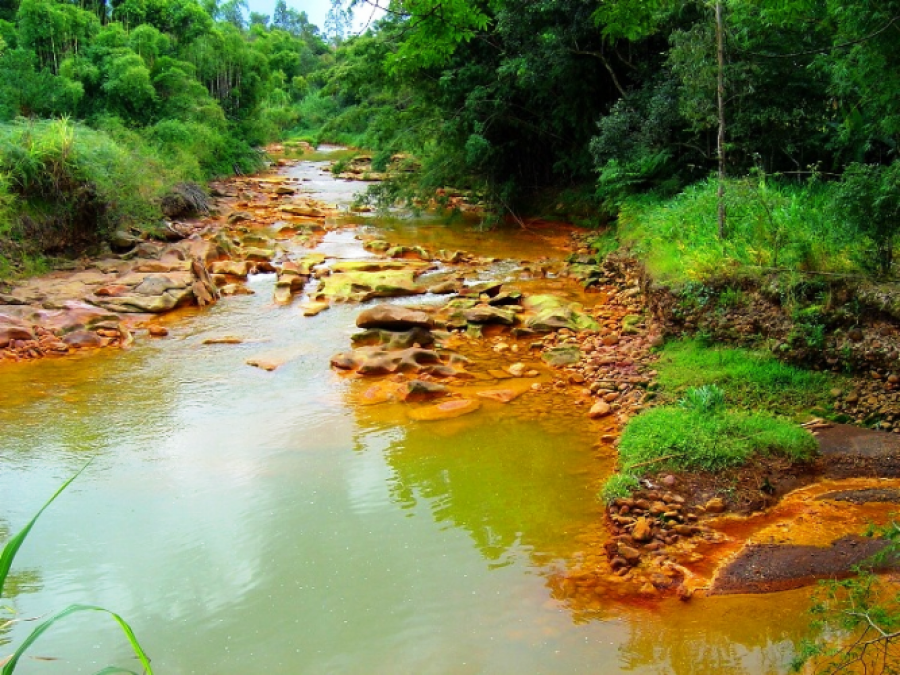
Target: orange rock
<point>446,410</point>
<point>155,330</point>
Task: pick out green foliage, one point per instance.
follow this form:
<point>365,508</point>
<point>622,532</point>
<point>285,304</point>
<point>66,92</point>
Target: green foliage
<point>687,439</point>
<point>751,380</point>
<point>869,200</point>
<point>7,557</point>
<point>708,398</point>
<point>855,622</point>
<point>618,486</point>
<point>771,225</point>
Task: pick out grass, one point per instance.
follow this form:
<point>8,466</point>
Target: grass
<point>771,225</point>
<point>618,486</point>
<point>688,439</point>
<point>751,380</point>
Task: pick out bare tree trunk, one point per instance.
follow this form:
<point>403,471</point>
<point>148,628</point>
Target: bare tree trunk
<point>720,93</point>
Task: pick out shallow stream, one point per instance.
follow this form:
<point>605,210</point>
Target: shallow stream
<point>261,522</point>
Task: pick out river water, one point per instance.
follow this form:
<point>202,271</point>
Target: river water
<point>262,522</point>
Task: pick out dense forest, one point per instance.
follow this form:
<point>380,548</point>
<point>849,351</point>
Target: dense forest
<point>586,109</point>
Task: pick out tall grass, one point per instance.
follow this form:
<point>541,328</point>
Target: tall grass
<point>771,225</point>
<point>8,555</point>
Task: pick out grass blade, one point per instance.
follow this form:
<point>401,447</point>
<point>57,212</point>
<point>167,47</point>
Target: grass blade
<point>71,609</point>
<point>15,543</point>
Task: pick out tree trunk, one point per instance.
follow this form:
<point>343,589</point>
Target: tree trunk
<point>720,93</point>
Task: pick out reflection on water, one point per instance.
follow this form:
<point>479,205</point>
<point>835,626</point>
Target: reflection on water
<point>254,522</point>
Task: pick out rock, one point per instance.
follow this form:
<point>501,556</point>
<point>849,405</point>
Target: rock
<point>351,266</point>
<point>235,289</point>
<point>82,339</point>
<point>393,317</point>
<point>263,364</point>
<point>488,288</point>
<point>642,530</point>
<point>501,395</point>
<point>393,339</point>
<point>488,314</point>
<point>314,308</point>
<point>378,361</point>
<point>517,369</point>
<point>225,340</point>
<point>234,268</point>
<point>260,255</point>
<point>551,313</point>
<point>239,217</point>
<point>155,330</point>
<point>562,356</point>
<point>632,555</point>
<point>361,286</point>
<point>121,241</point>
<point>444,288</point>
<point>417,390</point>
<point>13,329</point>
<point>599,409</point>
<point>446,410</point>
<point>715,505</point>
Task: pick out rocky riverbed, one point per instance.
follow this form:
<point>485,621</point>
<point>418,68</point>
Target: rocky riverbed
<point>538,339</point>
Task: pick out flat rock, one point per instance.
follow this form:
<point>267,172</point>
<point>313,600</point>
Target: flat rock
<point>767,568</point>
<point>12,328</point>
<point>446,410</point>
<point>393,317</point>
<point>314,308</point>
<point>362,286</point>
<point>488,314</point>
<point>501,395</point>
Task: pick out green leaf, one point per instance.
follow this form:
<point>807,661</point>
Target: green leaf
<point>13,545</point>
<point>10,666</point>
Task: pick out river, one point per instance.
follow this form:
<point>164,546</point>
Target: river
<point>246,521</point>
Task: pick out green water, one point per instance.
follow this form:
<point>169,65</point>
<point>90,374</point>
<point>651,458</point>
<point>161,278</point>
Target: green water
<point>254,522</point>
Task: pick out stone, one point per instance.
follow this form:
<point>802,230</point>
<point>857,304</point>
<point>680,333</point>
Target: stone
<point>393,339</point>
<point>239,217</point>
<point>361,286</point>
<point>234,268</point>
<point>488,314</point>
<point>715,505</point>
<point>263,364</point>
<point>642,530</point>
<point>550,314</point>
<point>12,328</point>
<point>418,390</point>
<point>562,356</point>
<point>446,410</point>
<point>394,318</point>
<point>632,555</point>
<point>83,339</point>
<point>155,330</point>
<point>225,340</point>
<point>599,409</point>
<point>501,395</point>
<point>517,369</point>
<point>314,308</point>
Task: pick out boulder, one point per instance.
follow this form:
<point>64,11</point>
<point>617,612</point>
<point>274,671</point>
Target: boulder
<point>562,356</point>
<point>551,313</point>
<point>488,314</point>
<point>393,339</point>
<point>599,409</point>
<point>419,390</point>
<point>12,328</point>
<point>363,286</point>
<point>394,318</point>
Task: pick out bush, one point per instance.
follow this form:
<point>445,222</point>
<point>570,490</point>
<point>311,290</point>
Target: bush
<point>869,200</point>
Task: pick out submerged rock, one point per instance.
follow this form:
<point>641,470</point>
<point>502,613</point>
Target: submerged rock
<point>446,410</point>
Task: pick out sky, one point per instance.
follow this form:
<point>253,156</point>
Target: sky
<point>316,10</point>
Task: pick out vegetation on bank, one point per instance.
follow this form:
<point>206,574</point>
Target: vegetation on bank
<point>104,107</point>
<point>710,419</point>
